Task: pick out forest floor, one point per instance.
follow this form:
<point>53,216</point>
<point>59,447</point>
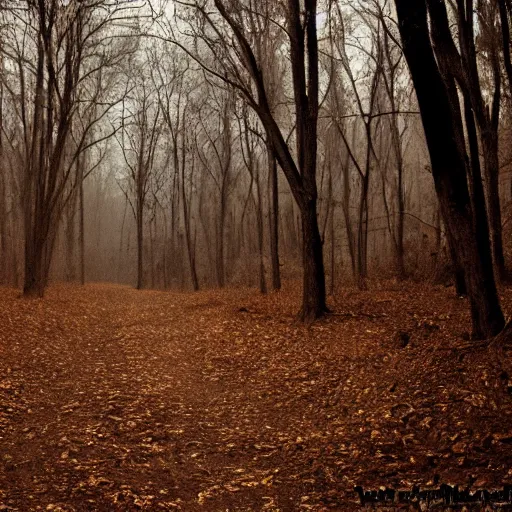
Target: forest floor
<point>114,399</point>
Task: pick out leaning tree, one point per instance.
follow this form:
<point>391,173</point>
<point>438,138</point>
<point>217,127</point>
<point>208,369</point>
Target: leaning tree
<point>466,227</point>
<point>224,39</point>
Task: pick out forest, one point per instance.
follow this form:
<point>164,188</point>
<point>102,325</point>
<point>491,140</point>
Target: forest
<point>254,254</point>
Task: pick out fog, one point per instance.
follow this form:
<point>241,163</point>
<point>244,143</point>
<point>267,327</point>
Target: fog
<point>147,163</point>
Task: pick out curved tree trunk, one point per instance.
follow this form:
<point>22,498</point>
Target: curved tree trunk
<point>301,20</point>
<point>450,170</point>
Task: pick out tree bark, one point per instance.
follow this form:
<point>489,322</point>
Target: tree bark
<point>3,190</point>
<point>346,214</point>
<point>70,240</point>
<point>34,279</point>
<point>332,233</point>
<point>259,214</point>
<point>449,169</point>
<point>82,232</point>
<point>3,222</point>
<point>220,242</point>
<point>152,253</point>
<point>314,304</point>
<point>188,235</point>
<point>301,21</point>
<point>362,231</point>
<point>462,67</point>
<point>505,35</point>
<point>273,218</point>
<point>140,247</point>
<point>490,151</point>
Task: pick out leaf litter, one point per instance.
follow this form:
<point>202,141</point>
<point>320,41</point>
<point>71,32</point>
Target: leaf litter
<point>114,399</point>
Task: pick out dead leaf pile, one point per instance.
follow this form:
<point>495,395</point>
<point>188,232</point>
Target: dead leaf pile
<point>114,399</point>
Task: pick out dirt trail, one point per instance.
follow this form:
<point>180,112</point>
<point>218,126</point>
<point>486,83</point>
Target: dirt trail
<point>115,399</point>
<point>118,406</point>
<point>90,372</point>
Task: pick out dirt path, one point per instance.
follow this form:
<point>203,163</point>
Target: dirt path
<point>120,402</point>
<point>113,395</point>
<point>115,399</point>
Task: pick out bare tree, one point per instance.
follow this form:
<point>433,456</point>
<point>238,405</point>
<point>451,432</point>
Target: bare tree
<point>366,108</point>
<point>59,55</point>
<point>227,35</point>
<point>141,130</point>
<point>170,79</point>
<point>461,67</point>
<point>252,164</point>
<point>444,139</point>
<point>215,153</point>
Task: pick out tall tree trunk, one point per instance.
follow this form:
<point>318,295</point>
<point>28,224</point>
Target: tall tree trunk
<point>362,233</point>
<point>39,243</point>
<point>33,239</point>
<point>220,243</point>
<point>140,247</point>
<point>476,188</point>
<point>273,218</point>
<point>346,214</point>
<point>3,221</point>
<point>462,68</point>
<point>437,251</point>
<point>152,253</point>
<point>396,138</point>
<point>82,226</point>
<point>34,279</point>
<point>259,213</point>
<point>3,189</point>
<point>449,169</point>
<point>505,34</point>
<point>301,24</point>
<point>188,235</point>
<point>458,268</point>
<point>70,231</point>
<point>164,254</point>
<point>314,303</point>
<point>14,248</point>
<point>400,251</point>
<point>490,151</point>
<point>70,239</point>
<point>332,232</point>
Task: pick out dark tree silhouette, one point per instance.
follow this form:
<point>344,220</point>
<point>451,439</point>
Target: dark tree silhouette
<point>450,170</point>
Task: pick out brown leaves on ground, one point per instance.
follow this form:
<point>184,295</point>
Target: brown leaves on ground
<point>113,399</point>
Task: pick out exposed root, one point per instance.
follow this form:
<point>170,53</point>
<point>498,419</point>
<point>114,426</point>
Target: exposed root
<point>495,352</point>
